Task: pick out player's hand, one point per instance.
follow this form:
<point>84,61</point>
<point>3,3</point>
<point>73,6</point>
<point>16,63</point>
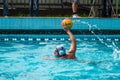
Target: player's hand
<point>66,29</point>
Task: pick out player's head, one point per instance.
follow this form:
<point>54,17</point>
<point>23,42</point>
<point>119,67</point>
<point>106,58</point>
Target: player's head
<point>60,51</point>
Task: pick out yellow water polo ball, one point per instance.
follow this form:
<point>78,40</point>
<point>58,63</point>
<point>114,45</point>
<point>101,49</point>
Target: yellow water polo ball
<point>67,22</point>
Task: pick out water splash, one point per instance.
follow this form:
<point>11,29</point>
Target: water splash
<point>116,54</point>
<point>116,50</point>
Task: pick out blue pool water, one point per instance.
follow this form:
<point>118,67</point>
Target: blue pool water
<point>25,59</point>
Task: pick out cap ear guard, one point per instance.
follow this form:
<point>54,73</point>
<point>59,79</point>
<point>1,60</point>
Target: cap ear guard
<point>61,50</point>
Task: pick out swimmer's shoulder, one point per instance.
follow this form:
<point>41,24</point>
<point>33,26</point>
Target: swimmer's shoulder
<point>69,57</point>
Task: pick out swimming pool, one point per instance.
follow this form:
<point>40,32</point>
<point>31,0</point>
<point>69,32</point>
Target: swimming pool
<point>23,56</point>
<point>24,59</point>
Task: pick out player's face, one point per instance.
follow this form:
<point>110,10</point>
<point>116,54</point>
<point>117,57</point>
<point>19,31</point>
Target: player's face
<point>56,53</point>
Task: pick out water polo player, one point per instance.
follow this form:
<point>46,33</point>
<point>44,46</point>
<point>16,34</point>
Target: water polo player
<point>60,50</point>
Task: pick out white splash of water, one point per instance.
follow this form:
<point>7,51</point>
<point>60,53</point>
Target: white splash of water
<point>116,51</point>
<point>116,54</point>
